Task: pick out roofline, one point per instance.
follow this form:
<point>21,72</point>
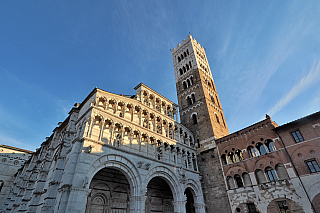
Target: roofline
<point>176,105</point>
<point>300,121</point>
<point>17,149</point>
<point>237,132</point>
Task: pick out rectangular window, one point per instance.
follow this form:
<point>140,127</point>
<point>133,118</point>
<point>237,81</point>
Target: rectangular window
<point>251,208</point>
<point>297,136</point>
<point>313,166</point>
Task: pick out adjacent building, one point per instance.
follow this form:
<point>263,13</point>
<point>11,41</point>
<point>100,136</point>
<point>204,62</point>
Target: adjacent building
<point>12,159</point>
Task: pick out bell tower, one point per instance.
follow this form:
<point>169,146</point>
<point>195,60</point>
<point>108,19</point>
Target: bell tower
<point>200,108</point>
<point>201,112</point>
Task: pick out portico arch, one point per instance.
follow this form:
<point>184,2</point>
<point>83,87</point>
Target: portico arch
<point>178,198</point>
<point>117,162</point>
<point>129,171</point>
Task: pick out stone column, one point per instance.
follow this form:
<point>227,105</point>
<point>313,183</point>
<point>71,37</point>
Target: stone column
<point>199,207</point>
<point>121,137</point>
<point>101,130</point>
<point>180,206</point>
<point>111,133</point>
<point>88,126</point>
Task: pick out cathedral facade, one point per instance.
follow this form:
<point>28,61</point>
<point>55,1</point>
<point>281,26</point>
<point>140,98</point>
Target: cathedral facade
<point>119,154</point>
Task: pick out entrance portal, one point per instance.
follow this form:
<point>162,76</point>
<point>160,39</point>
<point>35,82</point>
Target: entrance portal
<point>190,201</point>
<point>160,198</point>
<point>110,192</point>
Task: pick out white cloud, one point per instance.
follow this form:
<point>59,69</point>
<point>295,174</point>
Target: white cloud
<point>310,79</point>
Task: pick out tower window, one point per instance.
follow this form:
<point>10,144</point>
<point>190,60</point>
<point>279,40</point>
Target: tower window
<point>297,136</point>
<point>313,166</point>
<point>217,118</point>
<point>193,98</point>
<point>194,119</point>
<point>184,85</point>
<point>187,51</point>
<point>212,99</point>
<point>181,72</point>
<point>189,83</point>
<point>190,63</point>
<point>189,101</point>
<point>179,59</point>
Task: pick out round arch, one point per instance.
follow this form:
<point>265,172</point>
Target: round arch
<point>169,177</point>
<point>195,190</point>
<point>118,162</point>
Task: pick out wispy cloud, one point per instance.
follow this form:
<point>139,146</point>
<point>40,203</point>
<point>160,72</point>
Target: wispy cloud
<point>311,78</point>
<point>7,140</point>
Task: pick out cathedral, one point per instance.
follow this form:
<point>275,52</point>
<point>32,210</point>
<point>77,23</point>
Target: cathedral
<point>129,154</point>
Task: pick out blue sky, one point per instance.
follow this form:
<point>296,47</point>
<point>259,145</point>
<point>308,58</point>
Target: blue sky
<point>264,57</point>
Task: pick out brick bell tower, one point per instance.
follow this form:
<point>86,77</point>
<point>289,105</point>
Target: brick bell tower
<point>200,108</point>
<point>201,112</point>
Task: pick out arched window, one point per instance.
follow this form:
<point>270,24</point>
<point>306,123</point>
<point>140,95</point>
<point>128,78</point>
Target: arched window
<point>184,69</point>
<point>184,85</point>
<point>187,66</point>
<point>188,82</point>
<point>238,180</point>
<point>218,100</point>
<point>261,178</point>
<point>231,157</point>
<point>269,143</point>
<point>191,79</point>
<point>179,59</point>
<point>217,118</point>
<point>281,172</point>
<point>246,179</point>
<point>193,98</point>
<point>189,101</point>
<point>261,148</point>
<point>212,99</point>
<point>253,152</point>
<point>181,56</point>
<point>224,159</point>
<point>194,119</point>
<point>271,174</point>
<point>190,63</point>
<point>238,155</point>
<point>187,51</point>
<point>230,182</point>
<point>181,72</point>
<point>185,54</point>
